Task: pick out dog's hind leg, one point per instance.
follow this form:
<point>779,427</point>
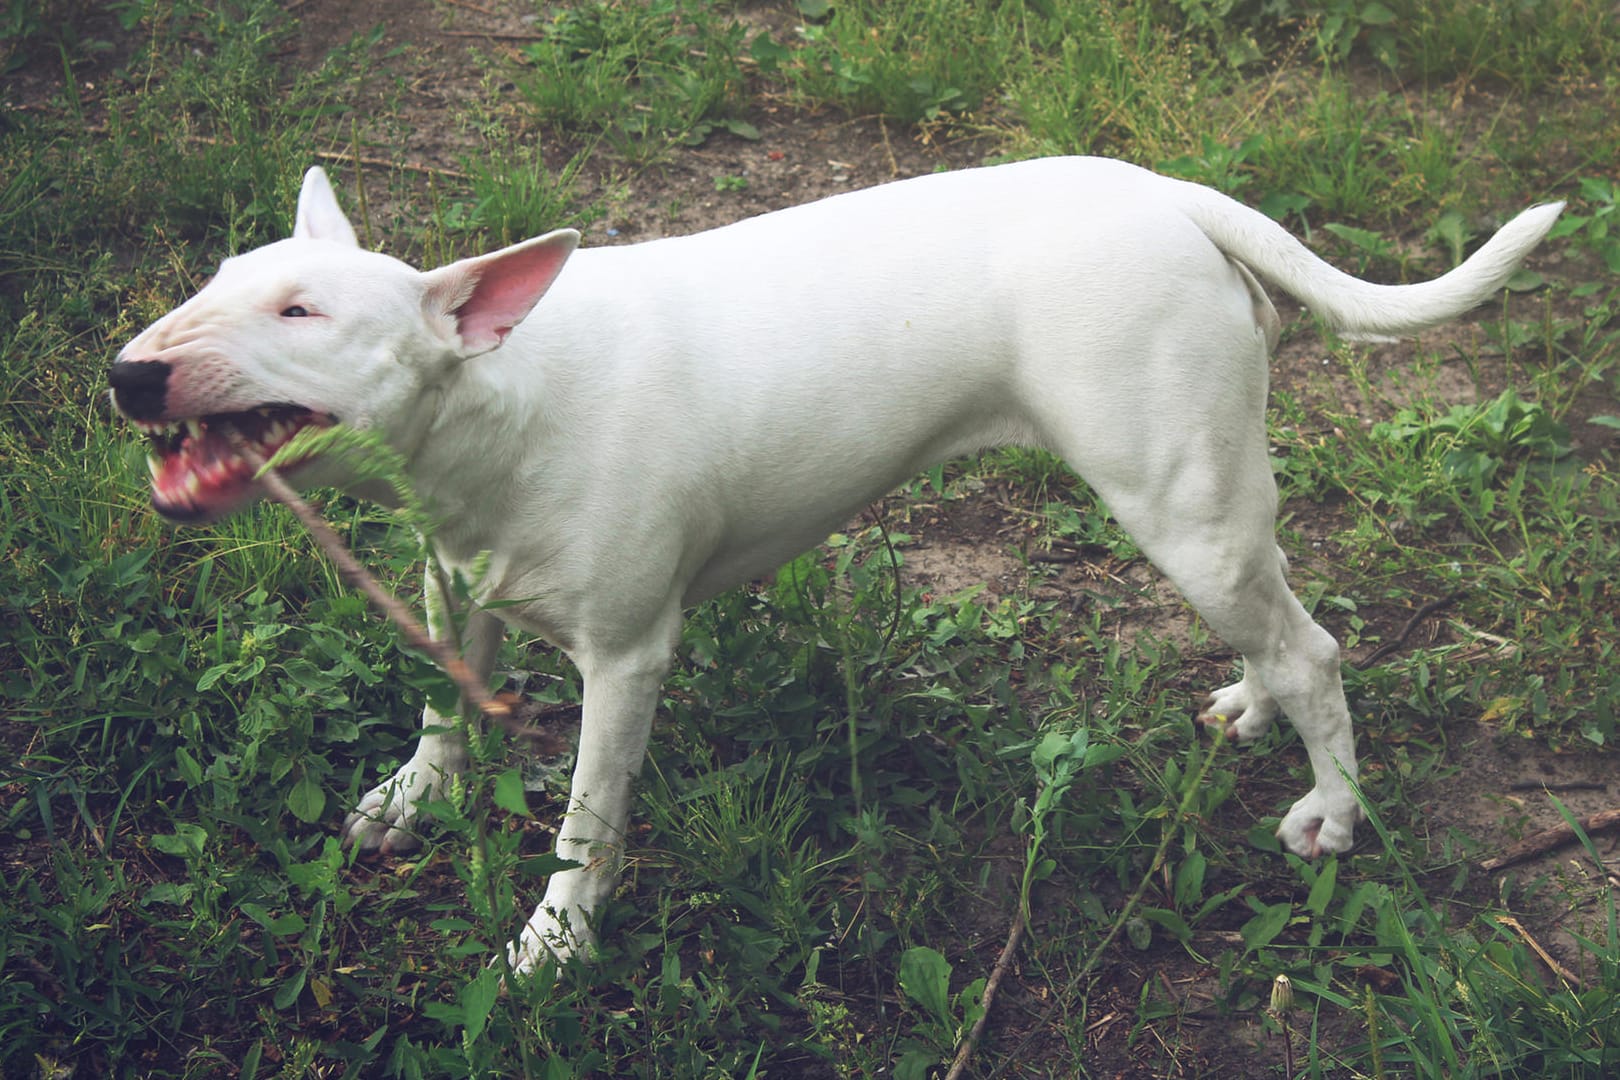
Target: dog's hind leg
<point>621,689</point>
<point>384,818</point>
<point>1191,480</point>
<point>1245,710</point>
<point>1288,661</point>
<point>1206,517</point>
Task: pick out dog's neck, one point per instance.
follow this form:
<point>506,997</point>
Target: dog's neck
<point>481,441</point>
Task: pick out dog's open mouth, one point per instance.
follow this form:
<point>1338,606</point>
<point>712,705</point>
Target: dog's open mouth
<point>198,474</point>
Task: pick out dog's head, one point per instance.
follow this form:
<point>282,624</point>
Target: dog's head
<point>311,330</point>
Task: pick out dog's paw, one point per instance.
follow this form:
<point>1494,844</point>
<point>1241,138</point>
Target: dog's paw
<point>548,936</point>
<point>385,818</point>
<point>1316,826</point>
<point>1243,710</point>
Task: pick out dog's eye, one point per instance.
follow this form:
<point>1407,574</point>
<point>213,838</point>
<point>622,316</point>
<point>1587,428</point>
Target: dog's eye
<point>297,311</point>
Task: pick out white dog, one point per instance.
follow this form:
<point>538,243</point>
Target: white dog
<point>677,417</point>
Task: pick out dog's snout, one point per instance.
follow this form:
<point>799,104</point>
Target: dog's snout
<point>139,387</point>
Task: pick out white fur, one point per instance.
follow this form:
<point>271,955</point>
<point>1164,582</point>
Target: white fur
<point>677,417</point>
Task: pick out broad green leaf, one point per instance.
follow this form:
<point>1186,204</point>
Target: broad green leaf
<point>288,992</point>
<point>212,675</point>
<point>306,800</point>
<point>1261,930</point>
<point>925,976</point>
<point>509,793</point>
<point>190,770</point>
<point>477,998</point>
<point>1321,894</point>
<point>186,841</point>
<point>1189,887</point>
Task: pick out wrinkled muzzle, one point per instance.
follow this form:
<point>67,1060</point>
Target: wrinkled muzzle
<point>198,472</point>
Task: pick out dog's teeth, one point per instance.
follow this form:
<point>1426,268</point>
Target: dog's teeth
<point>153,466</point>
<point>193,484</point>
<point>194,429</point>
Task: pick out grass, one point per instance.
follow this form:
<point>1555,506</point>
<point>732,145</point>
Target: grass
<point>855,785</point>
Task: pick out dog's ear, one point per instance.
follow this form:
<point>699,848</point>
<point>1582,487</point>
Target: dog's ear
<point>486,296</point>
<point>319,216</point>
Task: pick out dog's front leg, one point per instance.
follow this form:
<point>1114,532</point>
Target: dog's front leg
<point>620,695</point>
<point>384,819</point>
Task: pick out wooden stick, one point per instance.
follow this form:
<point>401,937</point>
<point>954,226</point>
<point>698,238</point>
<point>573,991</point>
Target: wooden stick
<point>991,985</point>
<point>1548,839</point>
<point>344,157</point>
<point>357,577</point>
<point>1399,639</point>
<point>1546,958</point>
<point>493,35</point>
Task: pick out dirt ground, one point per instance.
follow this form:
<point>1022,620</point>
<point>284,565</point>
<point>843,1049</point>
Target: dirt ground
<point>448,51</point>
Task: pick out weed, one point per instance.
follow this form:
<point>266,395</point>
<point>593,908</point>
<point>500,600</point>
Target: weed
<point>515,196</point>
<point>913,62</point>
<point>1472,442</point>
<point>1593,227</point>
<point>639,75</point>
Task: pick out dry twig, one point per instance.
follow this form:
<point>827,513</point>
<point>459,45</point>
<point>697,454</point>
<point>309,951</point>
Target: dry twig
<point>1399,639</point>
<point>493,35</point>
<point>357,577</point>
<point>991,985</point>
<point>1547,839</point>
<point>1546,958</point>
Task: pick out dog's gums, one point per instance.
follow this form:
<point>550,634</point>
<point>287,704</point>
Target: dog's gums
<point>197,475</point>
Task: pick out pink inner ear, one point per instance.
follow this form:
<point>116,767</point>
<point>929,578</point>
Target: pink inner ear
<point>509,284</point>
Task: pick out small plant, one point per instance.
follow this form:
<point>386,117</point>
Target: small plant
<point>515,196</point>
<point>1598,229</point>
<point>918,62</point>
<point>925,976</point>
<point>1474,441</point>
<point>1368,246</point>
<point>640,75</point>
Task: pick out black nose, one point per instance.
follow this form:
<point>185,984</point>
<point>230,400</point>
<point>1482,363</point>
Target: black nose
<point>138,387</point>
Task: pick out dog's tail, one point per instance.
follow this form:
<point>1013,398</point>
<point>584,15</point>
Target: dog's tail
<point>1356,309</point>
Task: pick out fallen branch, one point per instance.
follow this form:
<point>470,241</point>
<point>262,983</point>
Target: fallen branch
<point>1406,631</point>
<point>1558,785</point>
<point>493,35</point>
<point>344,157</point>
<point>1548,839</point>
<point>339,157</point>
<point>356,576</point>
<point>991,985</point>
<point>1546,958</point>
